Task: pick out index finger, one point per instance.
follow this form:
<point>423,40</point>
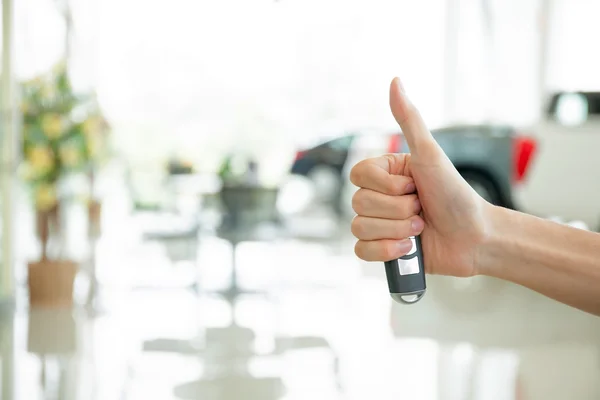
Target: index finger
<point>383,174</point>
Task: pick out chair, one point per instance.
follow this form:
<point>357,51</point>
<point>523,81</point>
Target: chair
<point>250,213</point>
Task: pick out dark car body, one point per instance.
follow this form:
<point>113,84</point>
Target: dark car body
<point>489,157</point>
<point>332,153</point>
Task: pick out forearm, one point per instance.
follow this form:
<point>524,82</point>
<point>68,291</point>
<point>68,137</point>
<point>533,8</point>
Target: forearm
<point>555,260</point>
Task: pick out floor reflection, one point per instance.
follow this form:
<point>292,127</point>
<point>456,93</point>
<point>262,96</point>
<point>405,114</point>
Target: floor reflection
<point>321,326</point>
<point>52,338</point>
<point>244,362</point>
<point>7,354</point>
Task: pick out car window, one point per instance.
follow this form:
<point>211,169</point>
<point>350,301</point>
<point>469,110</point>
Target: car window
<point>342,143</point>
<point>574,108</point>
<point>594,104</point>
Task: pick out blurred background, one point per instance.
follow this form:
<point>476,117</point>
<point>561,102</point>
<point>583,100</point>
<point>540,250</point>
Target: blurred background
<point>176,208</point>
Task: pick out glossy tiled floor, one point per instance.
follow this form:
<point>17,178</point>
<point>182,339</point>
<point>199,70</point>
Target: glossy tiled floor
<point>314,323</point>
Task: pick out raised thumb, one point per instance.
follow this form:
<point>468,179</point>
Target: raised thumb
<point>419,139</point>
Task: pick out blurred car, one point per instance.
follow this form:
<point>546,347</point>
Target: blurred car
<point>564,176</point>
<point>323,166</point>
<point>491,158</point>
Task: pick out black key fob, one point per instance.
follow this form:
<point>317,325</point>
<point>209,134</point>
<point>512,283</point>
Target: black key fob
<point>406,275</point>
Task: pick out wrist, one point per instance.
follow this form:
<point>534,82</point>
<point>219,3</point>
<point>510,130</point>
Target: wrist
<point>489,256</point>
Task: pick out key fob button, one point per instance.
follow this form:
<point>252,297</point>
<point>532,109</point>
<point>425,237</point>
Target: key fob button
<point>409,267</point>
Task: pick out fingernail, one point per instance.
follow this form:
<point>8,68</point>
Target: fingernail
<point>417,225</point>
<point>400,85</point>
<point>404,245</point>
<point>417,206</point>
<point>410,188</point>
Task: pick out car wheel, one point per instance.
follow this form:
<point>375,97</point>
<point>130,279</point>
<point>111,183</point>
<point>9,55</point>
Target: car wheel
<point>484,187</point>
<point>326,181</point>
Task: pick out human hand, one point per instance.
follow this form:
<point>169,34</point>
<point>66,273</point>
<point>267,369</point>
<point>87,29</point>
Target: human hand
<point>404,195</point>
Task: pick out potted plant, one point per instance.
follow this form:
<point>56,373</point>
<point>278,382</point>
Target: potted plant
<point>60,138</point>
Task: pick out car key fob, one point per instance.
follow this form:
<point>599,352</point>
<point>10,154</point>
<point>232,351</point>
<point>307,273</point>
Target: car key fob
<point>406,275</point>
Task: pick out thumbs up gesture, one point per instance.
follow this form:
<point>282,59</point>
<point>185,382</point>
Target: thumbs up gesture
<point>420,193</point>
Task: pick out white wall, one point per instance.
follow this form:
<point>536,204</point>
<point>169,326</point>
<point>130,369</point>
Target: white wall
<point>204,75</point>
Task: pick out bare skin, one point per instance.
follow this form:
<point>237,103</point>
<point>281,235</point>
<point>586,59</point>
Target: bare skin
<point>402,195</point>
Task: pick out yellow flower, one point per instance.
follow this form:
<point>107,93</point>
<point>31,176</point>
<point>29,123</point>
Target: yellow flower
<point>52,125</point>
<point>91,126</point>
<point>93,145</point>
<point>45,197</point>
<point>41,159</point>
<point>69,155</point>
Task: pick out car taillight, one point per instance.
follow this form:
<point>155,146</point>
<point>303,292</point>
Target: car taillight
<point>299,155</point>
<point>523,150</point>
<point>394,143</point>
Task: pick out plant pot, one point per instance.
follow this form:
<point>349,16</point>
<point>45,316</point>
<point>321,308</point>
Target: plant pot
<point>51,282</point>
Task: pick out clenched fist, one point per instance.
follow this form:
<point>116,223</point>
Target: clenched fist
<point>404,195</point>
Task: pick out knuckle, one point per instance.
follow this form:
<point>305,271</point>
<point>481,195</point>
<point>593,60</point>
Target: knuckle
<point>358,201</point>
<point>356,227</point>
<point>391,160</point>
<point>359,250</point>
<point>356,173</point>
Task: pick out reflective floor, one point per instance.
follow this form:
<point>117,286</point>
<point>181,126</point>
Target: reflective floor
<point>306,321</point>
